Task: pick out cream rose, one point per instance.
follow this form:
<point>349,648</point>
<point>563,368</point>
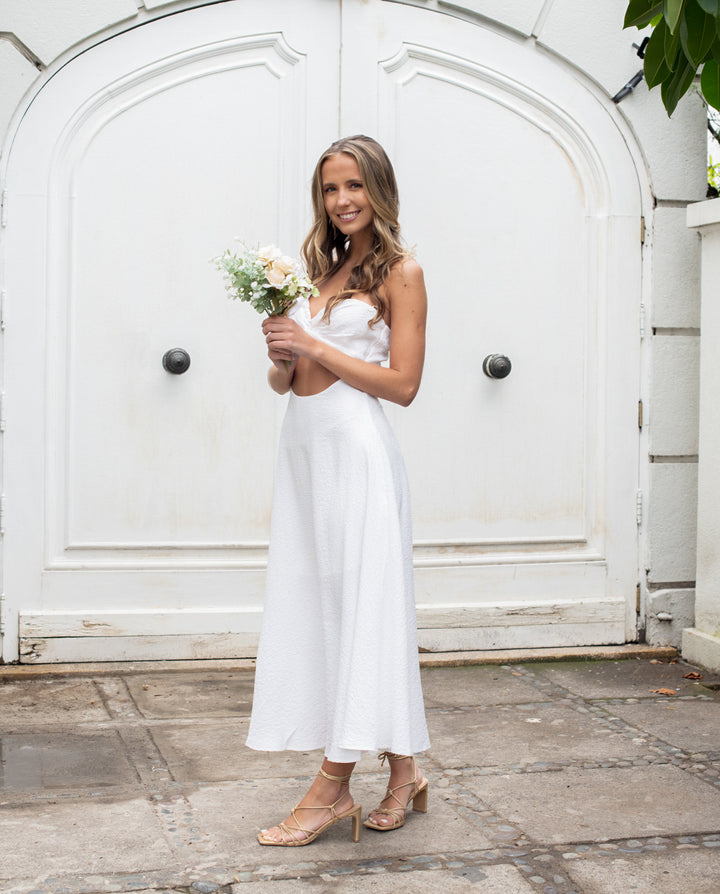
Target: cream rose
<point>275,274</point>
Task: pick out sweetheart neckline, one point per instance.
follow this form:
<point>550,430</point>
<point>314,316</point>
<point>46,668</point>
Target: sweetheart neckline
<point>356,300</point>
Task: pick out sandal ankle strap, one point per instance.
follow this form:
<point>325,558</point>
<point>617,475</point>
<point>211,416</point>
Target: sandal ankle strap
<point>391,756</point>
<point>343,780</point>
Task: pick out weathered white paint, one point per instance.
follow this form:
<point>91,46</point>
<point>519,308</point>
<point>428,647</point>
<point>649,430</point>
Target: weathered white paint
<point>701,643</point>
<point>524,488</point>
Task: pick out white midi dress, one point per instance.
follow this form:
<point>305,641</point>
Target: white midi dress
<point>337,664</point>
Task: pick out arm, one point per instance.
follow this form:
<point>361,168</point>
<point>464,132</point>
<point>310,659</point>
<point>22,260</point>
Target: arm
<point>399,382</point>
<point>280,374</point>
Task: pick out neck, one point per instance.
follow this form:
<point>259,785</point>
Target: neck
<point>360,246</point>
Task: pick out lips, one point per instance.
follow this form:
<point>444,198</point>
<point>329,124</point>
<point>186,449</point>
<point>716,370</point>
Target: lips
<point>351,215</point>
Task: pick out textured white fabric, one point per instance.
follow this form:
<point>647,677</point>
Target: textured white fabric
<point>347,329</point>
<point>337,664</point>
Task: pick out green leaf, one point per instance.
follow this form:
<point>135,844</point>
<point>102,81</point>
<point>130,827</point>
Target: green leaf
<point>673,10</point>
<point>697,33</point>
<point>641,12</point>
<point>672,47</point>
<point>715,50</point>
<point>710,83</point>
<point>674,87</point>
<point>655,66</point>
<point>711,7</point>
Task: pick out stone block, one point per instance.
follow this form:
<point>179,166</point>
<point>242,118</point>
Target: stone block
<point>669,612</point>
<point>594,42</point>
<point>16,75</point>
<point>233,814</point>
<point>675,271</point>
<point>674,395</point>
<point>675,148</point>
<point>602,804</point>
<point>648,873</point>
<point>620,679</point>
<point>48,29</point>
<point>672,522</point>
<point>523,734</point>
<point>520,15</point>
<point>691,725</point>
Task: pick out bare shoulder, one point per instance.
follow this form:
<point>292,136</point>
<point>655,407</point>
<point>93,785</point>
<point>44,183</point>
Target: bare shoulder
<point>406,273</point>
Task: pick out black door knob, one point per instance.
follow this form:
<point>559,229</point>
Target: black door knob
<point>176,361</point>
<point>497,366</point>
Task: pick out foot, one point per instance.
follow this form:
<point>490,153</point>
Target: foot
<point>313,811</point>
<point>401,772</point>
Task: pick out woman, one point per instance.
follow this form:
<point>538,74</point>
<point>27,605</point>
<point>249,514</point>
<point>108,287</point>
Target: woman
<point>337,664</point>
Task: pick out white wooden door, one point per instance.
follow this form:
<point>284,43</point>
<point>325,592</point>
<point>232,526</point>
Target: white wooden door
<point>138,502</point>
<point>523,200</point>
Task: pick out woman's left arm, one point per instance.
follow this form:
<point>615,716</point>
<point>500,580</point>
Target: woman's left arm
<point>399,381</point>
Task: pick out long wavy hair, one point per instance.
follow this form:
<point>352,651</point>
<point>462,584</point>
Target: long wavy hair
<point>326,249</point>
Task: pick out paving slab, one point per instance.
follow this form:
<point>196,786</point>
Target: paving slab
<point>623,679</point>
<point>81,838</point>
<point>488,880</point>
<point>50,701</point>
<point>694,873</point>
<point>460,686</point>
<point>233,813</point>
<point>600,805</point>
<point>693,726</point>
<point>523,734</point>
<point>33,762</point>
<point>215,751</point>
<point>192,695</point>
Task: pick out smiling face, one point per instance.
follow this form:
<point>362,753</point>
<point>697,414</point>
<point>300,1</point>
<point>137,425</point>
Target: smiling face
<point>346,204</point>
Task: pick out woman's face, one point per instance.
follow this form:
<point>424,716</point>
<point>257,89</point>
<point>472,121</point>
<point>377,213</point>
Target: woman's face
<point>345,201</point>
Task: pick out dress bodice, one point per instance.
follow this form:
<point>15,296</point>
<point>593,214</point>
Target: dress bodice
<point>347,329</point>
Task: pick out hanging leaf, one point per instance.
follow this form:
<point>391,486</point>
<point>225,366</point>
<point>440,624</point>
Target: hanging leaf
<point>710,83</point>
<point>697,33</point>
<point>672,46</point>
<point>677,84</point>
<point>715,50</point>
<point>641,12</point>
<point>673,10</point>
<point>711,7</point>
<point>655,66</point>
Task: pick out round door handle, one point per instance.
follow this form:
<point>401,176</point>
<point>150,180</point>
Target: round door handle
<point>176,361</point>
<point>496,366</point>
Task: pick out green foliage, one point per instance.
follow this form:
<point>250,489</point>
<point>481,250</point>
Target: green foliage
<point>685,37</point>
<point>713,174</point>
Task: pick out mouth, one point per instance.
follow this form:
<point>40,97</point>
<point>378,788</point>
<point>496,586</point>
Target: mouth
<point>351,215</point>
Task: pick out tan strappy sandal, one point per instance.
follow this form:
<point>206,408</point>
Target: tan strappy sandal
<point>418,796</point>
<point>292,832</point>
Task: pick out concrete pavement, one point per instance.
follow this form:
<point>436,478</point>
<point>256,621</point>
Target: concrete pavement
<point>586,776</point>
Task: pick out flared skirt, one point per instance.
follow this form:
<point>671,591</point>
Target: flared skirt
<point>337,663</point>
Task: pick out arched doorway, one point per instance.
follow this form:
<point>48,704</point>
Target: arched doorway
<point>143,498</point>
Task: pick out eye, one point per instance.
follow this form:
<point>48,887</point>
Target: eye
<point>356,186</point>
<point>327,189</point>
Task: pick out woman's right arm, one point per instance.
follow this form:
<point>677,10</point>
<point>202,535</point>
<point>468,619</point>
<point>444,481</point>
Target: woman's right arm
<point>280,374</point>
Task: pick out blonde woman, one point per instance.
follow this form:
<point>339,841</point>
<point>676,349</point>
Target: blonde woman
<point>337,666</point>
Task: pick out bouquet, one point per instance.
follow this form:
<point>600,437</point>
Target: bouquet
<point>265,278</point>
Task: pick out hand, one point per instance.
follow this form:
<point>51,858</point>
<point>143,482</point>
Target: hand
<point>286,340</point>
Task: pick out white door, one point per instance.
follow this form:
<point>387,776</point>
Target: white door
<point>137,501</point>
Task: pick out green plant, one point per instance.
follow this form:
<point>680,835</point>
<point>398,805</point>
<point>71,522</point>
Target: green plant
<point>685,36</point>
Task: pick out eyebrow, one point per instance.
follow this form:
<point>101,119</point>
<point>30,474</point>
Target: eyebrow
<point>349,180</point>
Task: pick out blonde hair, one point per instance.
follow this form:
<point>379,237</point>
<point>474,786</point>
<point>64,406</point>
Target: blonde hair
<point>326,249</point>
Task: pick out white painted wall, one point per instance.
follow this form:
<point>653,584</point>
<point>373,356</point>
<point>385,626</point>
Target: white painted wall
<point>45,34</point>
<point>701,641</point>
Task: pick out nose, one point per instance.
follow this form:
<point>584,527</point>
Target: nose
<point>343,197</point>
